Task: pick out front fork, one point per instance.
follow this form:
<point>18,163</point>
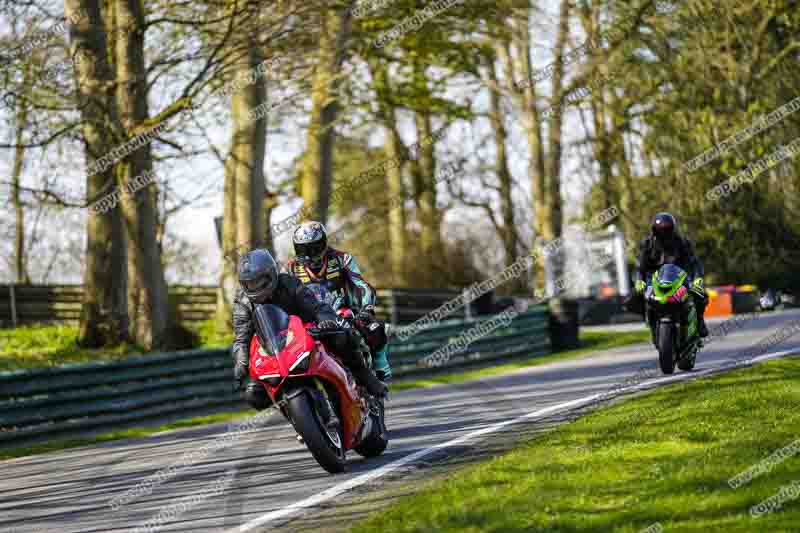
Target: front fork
<point>687,326</point>
<point>324,405</point>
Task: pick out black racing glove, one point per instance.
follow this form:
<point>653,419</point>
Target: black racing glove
<point>367,315</point>
<point>239,375</point>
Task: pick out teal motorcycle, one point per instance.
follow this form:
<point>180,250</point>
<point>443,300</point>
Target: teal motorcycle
<point>672,317</point>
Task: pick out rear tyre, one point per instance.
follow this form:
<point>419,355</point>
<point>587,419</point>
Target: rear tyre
<point>377,441</point>
<point>322,445</point>
<point>666,348</point>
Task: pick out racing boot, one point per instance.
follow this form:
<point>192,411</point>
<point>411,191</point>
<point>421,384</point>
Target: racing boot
<point>356,358</point>
<point>701,327</point>
<point>367,379</point>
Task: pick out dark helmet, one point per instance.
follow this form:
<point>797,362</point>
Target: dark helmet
<point>310,244</point>
<point>258,275</point>
<point>664,227</point>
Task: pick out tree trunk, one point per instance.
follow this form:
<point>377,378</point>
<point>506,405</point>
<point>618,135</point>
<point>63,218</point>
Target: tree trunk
<point>601,142</point>
<point>397,215</point>
<point>148,306</point>
<point>531,123</point>
<point>626,187</point>
<point>396,155</point>
<point>430,238</point>
<point>270,202</point>
<point>509,230</point>
<point>552,223</point>
<point>244,220</point>
<point>94,79</point>
<point>16,172</point>
<point>249,144</point>
<point>601,149</point>
<point>318,160</point>
<point>230,256</point>
<point>119,252</point>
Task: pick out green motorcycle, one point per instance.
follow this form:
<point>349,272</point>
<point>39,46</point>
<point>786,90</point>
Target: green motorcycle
<point>672,317</point>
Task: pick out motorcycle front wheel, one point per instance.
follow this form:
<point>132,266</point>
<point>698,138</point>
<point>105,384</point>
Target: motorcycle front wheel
<point>324,444</point>
<point>666,348</point>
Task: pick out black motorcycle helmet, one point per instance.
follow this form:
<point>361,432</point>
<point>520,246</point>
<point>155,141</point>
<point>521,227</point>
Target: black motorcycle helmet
<point>664,228</point>
<point>258,275</point>
<point>310,244</point>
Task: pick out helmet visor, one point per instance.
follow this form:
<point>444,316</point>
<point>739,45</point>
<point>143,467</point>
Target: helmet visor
<point>310,250</point>
<point>663,226</point>
<point>255,285</point>
<point>664,231</point>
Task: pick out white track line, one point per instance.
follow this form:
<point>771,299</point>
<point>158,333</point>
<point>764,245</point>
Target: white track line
<point>341,488</point>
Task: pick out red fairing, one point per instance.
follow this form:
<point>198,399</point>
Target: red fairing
<point>262,365</point>
<point>322,365</point>
<point>354,411</point>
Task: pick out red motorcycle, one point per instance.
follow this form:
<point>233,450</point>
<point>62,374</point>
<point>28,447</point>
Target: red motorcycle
<point>313,388</point>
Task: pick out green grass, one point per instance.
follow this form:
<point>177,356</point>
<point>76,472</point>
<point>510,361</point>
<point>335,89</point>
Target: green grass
<point>210,337</point>
<point>40,345</point>
<point>592,341</point>
<point>662,458</point>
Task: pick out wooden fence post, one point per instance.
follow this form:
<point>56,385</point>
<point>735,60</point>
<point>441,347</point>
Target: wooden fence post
<point>13,301</point>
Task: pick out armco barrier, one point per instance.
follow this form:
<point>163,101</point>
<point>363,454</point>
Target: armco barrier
<point>66,401</point>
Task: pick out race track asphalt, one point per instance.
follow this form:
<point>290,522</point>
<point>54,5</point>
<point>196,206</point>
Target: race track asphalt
<point>264,478</point>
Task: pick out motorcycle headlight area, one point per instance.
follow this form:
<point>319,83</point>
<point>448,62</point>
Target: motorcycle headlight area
<point>301,365</point>
<point>273,380</point>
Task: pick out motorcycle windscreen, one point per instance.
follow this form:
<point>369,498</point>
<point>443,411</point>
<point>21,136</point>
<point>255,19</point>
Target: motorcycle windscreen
<point>670,275</point>
<point>272,325</point>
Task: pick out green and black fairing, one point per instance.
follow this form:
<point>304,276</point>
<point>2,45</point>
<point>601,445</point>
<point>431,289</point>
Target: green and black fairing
<point>666,282</point>
<point>668,295</point>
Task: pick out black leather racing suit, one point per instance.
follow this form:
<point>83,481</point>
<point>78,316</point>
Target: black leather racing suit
<point>294,298</point>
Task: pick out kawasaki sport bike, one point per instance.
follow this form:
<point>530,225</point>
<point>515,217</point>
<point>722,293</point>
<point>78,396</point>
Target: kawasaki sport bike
<point>672,317</point>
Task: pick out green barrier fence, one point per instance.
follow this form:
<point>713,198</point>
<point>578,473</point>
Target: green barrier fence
<point>71,400</point>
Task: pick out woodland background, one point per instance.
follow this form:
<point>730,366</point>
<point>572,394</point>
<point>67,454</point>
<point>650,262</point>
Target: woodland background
<point>540,114</point>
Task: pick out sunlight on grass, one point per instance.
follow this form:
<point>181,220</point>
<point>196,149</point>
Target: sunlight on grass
<point>45,345</point>
<point>38,346</point>
<point>662,458</point>
<point>210,337</point>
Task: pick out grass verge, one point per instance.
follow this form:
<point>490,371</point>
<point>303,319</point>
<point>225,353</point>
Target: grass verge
<point>591,341</point>
<point>659,461</point>
<point>45,345</point>
<point>38,346</point>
